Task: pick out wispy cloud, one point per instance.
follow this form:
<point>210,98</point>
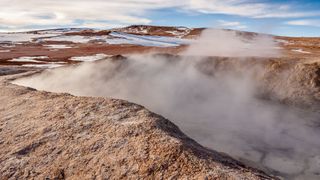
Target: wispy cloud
<point>248,8</point>
<point>17,14</point>
<point>20,13</point>
<point>231,24</point>
<point>305,22</point>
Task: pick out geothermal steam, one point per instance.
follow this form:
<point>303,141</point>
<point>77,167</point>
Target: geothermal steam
<point>215,42</point>
<point>215,106</point>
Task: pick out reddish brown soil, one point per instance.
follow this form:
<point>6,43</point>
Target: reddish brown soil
<point>77,50</point>
<point>311,45</point>
<point>89,33</point>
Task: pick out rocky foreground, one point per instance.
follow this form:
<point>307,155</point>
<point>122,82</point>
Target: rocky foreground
<point>59,136</point>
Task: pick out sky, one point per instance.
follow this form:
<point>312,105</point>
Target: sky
<point>286,17</point>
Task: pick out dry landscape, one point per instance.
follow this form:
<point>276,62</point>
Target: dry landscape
<point>151,102</point>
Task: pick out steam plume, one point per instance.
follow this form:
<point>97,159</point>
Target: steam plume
<point>216,107</point>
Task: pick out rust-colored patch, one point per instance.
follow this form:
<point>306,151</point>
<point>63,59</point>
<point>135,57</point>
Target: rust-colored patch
<point>59,55</point>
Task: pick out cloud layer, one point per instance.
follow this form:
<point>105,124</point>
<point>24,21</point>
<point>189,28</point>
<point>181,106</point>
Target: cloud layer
<point>21,14</point>
<point>305,22</point>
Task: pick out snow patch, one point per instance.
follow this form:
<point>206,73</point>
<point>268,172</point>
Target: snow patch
<point>49,65</point>
<point>138,30</point>
<point>5,51</point>
<point>183,28</point>
<point>158,41</point>
<point>113,38</point>
<point>77,38</point>
<point>285,42</point>
<point>180,32</point>
<point>57,46</point>
<point>301,51</point>
<point>29,59</point>
<point>89,58</point>
<point>21,37</point>
<point>124,38</point>
<point>7,45</point>
<point>61,31</point>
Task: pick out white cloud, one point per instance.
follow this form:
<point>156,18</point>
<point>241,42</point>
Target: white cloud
<point>98,25</point>
<point>305,22</point>
<point>17,14</point>
<point>231,24</point>
<point>288,14</point>
<point>247,8</point>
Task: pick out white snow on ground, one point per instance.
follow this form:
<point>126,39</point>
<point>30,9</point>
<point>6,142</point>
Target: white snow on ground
<point>57,46</point>
<point>184,29</point>
<point>29,59</point>
<point>124,38</point>
<point>5,51</point>
<point>21,37</point>
<point>34,36</point>
<point>113,38</point>
<point>74,39</point>
<point>8,45</point>
<point>284,42</point>
<point>89,58</point>
<point>77,38</point>
<point>301,51</point>
<point>138,30</point>
<point>158,41</point>
<point>60,31</point>
<point>49,65</point>
<point>177,34</point>
<point>180,32</point>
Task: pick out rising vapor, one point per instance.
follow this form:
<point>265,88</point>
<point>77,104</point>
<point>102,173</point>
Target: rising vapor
<point>213,100</point>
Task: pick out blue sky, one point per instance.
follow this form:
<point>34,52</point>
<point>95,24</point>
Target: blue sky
<point>287,17</point>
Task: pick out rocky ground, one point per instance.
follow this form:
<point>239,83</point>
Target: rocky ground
<point>58,46</point>
<point>59,136</point>
<point>46,135</point>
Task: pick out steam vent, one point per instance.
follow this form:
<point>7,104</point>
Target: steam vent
<point>86,95</point>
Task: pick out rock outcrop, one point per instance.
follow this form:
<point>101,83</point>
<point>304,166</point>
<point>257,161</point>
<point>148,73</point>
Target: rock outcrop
<point>59,136</point>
